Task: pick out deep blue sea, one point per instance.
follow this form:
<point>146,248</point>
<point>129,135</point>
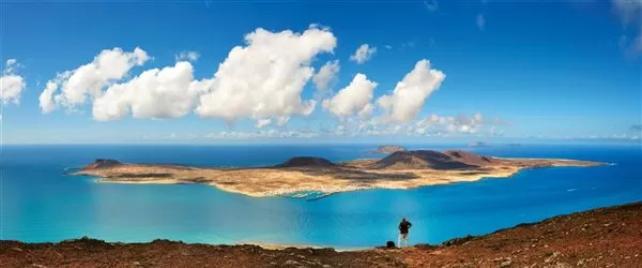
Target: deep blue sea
<point>40,202</point>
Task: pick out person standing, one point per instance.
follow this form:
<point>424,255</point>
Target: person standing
<point>404,227</point>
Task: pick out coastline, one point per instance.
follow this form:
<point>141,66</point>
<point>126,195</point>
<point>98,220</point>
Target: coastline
<point>326,189</point>
<point>560,241</point>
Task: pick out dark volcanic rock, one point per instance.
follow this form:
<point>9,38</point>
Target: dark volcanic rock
<point>307,161</point>
<point>102,163</point>
<point>88,244</point>
<point>421,159</point>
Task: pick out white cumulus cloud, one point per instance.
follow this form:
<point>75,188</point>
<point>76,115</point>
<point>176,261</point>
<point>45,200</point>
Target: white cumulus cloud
<point>157,93</point>
<point>411,93</point>
<point>46,98</point>
<point>326,75</point>
<point>354,99</point>
<point>363,53</point>
<point>88,80</point>
<point>11,84</point>
<point>265,79</point>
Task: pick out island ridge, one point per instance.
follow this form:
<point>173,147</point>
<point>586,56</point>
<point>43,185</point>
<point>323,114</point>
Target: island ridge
<point>301,175</point>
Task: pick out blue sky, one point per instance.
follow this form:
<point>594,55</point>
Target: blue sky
<point>513,71</point>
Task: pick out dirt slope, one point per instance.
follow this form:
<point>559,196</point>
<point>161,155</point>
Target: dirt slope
<point>421,159</point>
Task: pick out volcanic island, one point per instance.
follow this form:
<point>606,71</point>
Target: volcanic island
<point>300,175</point>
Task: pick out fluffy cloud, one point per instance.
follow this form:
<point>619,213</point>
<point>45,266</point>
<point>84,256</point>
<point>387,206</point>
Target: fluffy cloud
<point>353,99</point>
<point>411,93</point>
<point>326,75</point>
<point>157,93</point>
<point>88,80</point>
<point>261,80</point>
<point>46,98</point>
<point>187,56</point>
<point>11,84</point>
<point>363,53</point>
<point>264,79</point>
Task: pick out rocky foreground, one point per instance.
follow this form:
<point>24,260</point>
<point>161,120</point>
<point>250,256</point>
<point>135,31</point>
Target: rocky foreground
<point>609,237</point>
<point>398,170</point>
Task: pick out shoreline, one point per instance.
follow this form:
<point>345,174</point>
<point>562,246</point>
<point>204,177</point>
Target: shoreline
<point>560,241</point>
<point>321,190</point>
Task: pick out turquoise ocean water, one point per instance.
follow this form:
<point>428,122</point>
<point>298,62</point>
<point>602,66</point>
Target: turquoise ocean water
<point>40,202</point>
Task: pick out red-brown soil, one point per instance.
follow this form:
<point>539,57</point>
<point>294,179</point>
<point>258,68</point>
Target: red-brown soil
<point>609,237</point>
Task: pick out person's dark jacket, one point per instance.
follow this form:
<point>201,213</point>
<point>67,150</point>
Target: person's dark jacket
<point>404,226</point>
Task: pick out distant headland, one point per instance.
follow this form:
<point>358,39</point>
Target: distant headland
<point>388,149</point>
<point>401,169</point>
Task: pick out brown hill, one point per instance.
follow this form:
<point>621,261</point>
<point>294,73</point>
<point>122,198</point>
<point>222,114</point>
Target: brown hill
<point>306,161</point>
<point>421,159</point>
<point>471,158</point>
<point>102,163</point>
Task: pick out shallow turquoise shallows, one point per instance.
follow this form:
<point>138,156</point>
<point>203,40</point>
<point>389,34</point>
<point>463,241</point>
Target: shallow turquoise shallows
<point>40,202</point>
